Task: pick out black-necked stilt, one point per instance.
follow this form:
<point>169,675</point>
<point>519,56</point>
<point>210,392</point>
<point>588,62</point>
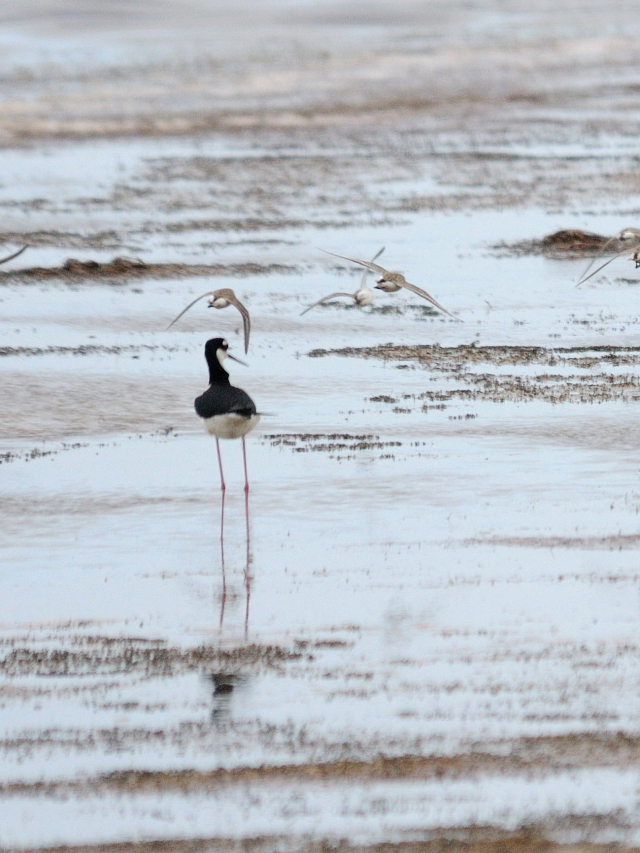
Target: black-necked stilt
<point>391,282</point>
<point>630,239</point>
<point>362,297</point>
<point>14,255</point>
<point>222,299</point>
<point>228,412</point>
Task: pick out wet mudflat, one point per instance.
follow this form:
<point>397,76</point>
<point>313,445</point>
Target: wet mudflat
<point>429,637</point>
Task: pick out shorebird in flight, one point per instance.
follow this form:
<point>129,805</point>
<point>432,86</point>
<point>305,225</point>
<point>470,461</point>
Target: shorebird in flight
<point>222,299</point>
<point>629,237</point>
<point>363,296</point>
<point>228,412</point>
<point>14,255</point>
<point>391,282</point>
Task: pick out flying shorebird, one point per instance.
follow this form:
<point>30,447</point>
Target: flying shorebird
<point>228,412</point>
<point>630,237</point>
<point>390,282</point>
<point>222,299</point>
<point>363,296</point>
<point>14,255</point>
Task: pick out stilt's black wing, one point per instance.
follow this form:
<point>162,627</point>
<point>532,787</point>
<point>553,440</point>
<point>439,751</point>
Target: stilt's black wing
<point>224,400</point>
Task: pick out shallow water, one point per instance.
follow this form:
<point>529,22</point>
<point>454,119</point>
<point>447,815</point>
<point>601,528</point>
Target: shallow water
<point>430,632</point>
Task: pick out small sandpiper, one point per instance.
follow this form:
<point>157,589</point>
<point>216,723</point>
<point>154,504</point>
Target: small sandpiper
<point>362,297</point>
<point>391,282</point>
<point>220,299</point>
<point>628,237</point>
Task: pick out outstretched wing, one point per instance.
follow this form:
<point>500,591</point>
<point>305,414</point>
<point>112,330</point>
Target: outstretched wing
<point>594,260</point>
<point>246,319</point>
<point>368,264</point>
<point>362,282</point>
<point>326,299</point>
<point>397,279</point>
<point>366,272</point>
<point>420,292</point>
<point>14,255</point>
<point>602,266</point>
<point>184,311</point>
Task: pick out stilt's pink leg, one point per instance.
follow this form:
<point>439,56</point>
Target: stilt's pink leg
<point>224,573</point>
<point>222,483</point>
<point>247,570</point>
<point>244,456</point>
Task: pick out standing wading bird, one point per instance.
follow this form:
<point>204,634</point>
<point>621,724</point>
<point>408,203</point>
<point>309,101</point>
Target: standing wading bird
<point>629,237</point>
<point>222,299</point>
<point>390,282</point>
<point>14,255</point>
<point>363,296</point>
<point>227,412</point>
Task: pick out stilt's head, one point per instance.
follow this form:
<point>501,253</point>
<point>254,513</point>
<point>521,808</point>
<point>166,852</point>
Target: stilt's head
<point>215,352</point>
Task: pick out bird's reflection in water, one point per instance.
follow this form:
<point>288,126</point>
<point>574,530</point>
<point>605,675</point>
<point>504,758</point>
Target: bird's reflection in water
<point>247,565</point>
<point>223,598</point>
<point>225,684</point>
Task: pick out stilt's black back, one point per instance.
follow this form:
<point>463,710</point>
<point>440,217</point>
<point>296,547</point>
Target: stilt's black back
<point>224,400</point>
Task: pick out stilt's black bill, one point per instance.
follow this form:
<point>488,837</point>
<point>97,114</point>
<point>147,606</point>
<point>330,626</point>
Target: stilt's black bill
<point>233,358</point>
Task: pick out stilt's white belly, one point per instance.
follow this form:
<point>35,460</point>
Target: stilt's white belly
<point>230,426</point>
